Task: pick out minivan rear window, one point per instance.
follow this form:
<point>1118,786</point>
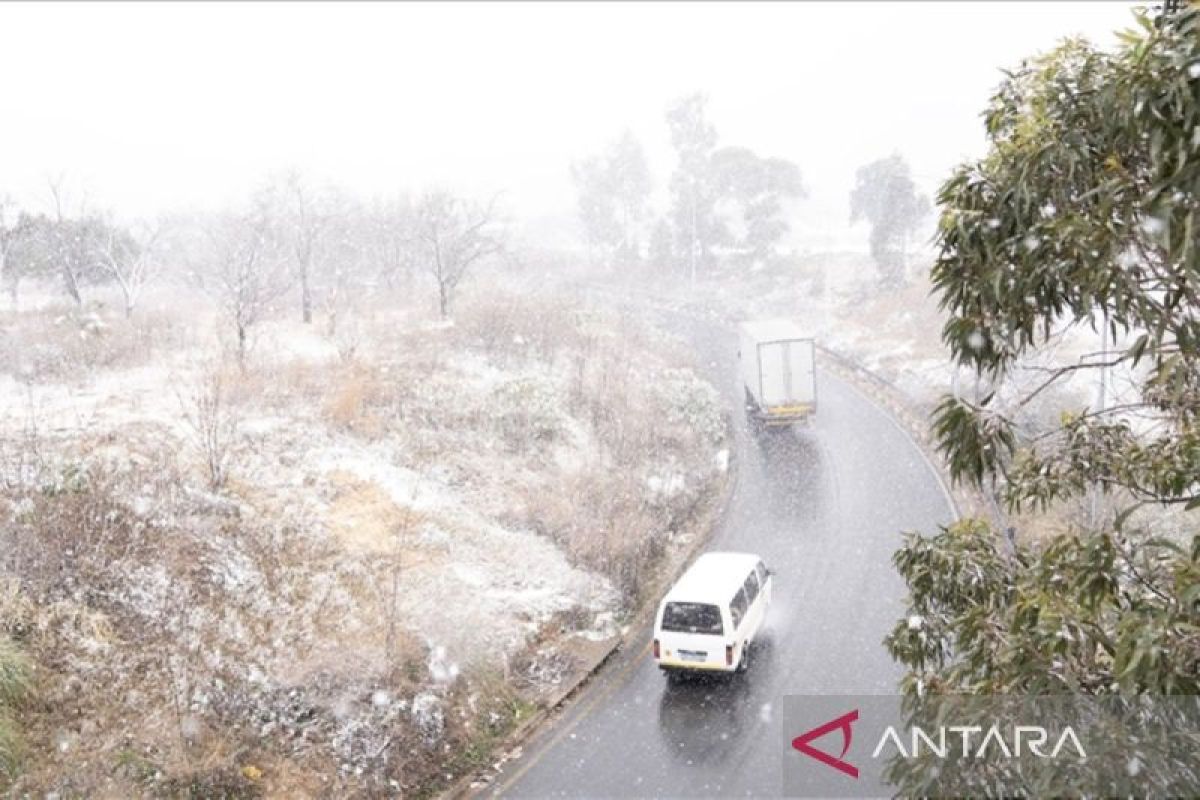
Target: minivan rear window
<point>692,618</point>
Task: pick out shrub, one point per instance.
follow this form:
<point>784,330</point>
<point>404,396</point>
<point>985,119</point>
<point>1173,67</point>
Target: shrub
<point>348,398</point>
<point>213,421</point>
<point>692,404</point>
<point>16,679</point>
<point>529,412</point>
<point>57,345</point>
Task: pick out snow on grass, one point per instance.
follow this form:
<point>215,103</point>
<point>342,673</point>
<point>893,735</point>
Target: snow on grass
<point>293,340</point>
<point>489,586</point>
<point>408,508</point>
<point>404,486</point>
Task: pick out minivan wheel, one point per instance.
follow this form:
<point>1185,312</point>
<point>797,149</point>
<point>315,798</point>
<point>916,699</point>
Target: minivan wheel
<point>744,661</point>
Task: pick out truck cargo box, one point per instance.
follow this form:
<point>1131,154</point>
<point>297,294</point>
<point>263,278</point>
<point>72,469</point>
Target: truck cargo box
<point>778,364</point>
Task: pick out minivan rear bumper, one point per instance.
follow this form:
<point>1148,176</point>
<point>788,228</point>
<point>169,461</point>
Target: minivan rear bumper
<point>670,665</point>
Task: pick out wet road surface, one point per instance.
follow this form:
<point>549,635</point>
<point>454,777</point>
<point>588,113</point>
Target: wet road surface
<point>824,505</point>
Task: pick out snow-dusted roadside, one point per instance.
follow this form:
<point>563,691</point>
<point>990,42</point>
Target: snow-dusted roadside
<point>895,336</point>
<point>895,333</point>
<point>407,529</point>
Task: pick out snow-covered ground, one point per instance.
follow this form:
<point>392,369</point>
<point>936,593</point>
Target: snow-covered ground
<point>403,505</point>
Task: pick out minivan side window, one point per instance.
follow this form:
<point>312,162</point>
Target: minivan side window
<point>737,608</point>
<point>751,586</point>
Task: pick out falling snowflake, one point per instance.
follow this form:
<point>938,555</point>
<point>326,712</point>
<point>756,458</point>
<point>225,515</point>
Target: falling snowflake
<point>1153,226</point>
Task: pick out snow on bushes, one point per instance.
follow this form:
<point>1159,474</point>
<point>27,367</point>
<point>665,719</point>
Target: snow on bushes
<point>529,411</point>
<point>370,586</point>
<point>691,403</point>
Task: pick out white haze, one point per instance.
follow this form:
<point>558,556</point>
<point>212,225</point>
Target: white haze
<point>178,106</point>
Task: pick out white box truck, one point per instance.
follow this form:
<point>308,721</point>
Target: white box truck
<point>778,367</point>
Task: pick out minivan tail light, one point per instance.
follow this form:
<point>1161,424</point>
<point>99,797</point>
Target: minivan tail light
<point>656,655</point>
<point>729,655</point>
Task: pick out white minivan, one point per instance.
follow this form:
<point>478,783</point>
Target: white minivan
<point>713,612</point>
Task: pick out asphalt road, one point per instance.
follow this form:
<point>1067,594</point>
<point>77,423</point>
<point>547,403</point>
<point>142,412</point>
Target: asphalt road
<point>824,506</point>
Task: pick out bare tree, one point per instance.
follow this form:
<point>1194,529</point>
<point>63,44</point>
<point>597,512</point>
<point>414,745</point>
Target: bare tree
<point>452,236</point>
<point>8,238</point>
<point>213,425</point>
<point>389,240</point>
<point>131,259</point>
<point>407,522</point>
<point>347,256</point>
<point>246,271</point>
<point>68,245</point>
<point>306,220</point>
<point>28,251</point>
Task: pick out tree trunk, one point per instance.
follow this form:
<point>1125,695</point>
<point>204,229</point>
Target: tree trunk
<point>241,351</point>
<point>305,295</point>
<point>695,236</point>
<point>72,285</point>
<point>333,299</point>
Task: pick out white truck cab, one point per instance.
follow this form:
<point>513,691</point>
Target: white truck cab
<point>710,617</point>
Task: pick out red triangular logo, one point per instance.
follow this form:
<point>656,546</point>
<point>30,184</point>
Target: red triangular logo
<point>802,741</point>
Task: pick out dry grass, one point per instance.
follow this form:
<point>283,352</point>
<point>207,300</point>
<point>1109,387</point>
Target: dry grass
<point>531,403</point>
<point>347,400</point>
<point>350,396</point>
<point>511,328</point>
<point>64,344</point>
<point>124,668</point>
<point>365,519</point>
<point>605,522</point>
<point>623,384</point>
<point>352,400</point>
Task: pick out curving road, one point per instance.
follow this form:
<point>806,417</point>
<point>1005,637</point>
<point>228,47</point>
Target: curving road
<point>824,506</point>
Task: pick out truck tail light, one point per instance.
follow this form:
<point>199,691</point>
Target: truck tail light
<point>656,655</point>
<point>729,655</point>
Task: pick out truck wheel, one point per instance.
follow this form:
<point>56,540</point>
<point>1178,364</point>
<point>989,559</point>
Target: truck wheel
<point>751,407</point>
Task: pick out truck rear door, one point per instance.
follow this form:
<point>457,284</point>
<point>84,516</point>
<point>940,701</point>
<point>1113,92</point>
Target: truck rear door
<point>802,388</point>
<point>773,366</point>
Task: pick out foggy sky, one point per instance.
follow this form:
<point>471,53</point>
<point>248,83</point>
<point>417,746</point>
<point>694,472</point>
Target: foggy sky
<point>176,106</point>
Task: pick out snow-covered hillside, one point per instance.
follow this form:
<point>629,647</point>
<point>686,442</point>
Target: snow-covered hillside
<point>390,532</point>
